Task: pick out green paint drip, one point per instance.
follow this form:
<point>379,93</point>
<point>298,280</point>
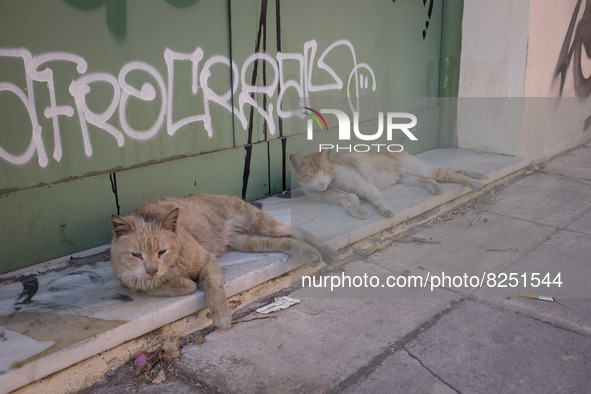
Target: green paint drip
<point>117,17</point>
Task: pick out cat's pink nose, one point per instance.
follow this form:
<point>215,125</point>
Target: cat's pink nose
<point>151,269</point>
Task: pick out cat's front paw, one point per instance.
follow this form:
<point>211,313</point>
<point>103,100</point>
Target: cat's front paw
<point>221,317</point>
<point>433,187</point>
<point>313,257</point>
<point>472,174</point>
<point>475,185</point>
<point>358,212</point>
<point>305,253</point>
<point>329,254</point>
<point>386,212</point>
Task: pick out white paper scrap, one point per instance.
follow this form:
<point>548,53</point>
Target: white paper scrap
<point>279,304</point>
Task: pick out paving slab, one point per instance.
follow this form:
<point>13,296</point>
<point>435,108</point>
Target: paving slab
<point>400,373</point>
<point>481,348</point>
<point>308,348</point>
<point>175,381</point>
<point>545,198</point>
<point>571,313</point>
<point>463,248</point>
<point>575,163</point>
<point>560,267</point>
<point>582,223</point>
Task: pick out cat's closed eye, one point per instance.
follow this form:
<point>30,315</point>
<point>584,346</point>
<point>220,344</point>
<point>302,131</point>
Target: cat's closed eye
<point>161,252</point>
<point>137,256</point>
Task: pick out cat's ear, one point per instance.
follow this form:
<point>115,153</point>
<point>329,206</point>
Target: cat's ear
<point>169,222</point>
<point>326,153</point>
<point>296,161</point>
<point>120,226</point>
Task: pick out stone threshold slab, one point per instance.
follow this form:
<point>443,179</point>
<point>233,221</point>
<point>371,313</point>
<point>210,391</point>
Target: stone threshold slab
<point>54,316</point>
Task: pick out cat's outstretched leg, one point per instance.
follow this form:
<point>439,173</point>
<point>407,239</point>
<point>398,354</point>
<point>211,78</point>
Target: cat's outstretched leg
<point>177,286</point>
<point>427,183</point>
<point>449,176</point>
<point>349,201</point>
<point>211,281</point>
<point>417,167</point>
<point>259,243</point>
<point>329,254</point>
<point>264,233</point>
<point>471,174</point>
<point>374,196</point>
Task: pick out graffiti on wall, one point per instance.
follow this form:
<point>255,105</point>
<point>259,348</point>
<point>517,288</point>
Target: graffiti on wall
<point>113,120</point>
<point>429,13</point>
<point>578,36</point>
<point>116,12</point>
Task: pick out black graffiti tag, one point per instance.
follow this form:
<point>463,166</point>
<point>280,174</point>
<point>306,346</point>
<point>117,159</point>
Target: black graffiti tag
<point>572,47</point>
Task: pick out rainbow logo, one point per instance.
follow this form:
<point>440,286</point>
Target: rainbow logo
<point>315,114</point>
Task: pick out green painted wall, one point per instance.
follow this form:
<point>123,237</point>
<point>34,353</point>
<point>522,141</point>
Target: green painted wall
<point>105,104</point>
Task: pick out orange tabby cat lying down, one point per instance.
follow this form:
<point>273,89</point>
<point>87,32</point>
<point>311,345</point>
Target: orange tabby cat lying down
<point>355,176</point>
<point>166,244</point>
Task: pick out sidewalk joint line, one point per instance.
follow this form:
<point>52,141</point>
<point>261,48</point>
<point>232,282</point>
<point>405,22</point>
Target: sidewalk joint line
<point>366,370</point>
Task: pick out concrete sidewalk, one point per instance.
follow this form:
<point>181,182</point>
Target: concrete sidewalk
<point>470,335</point>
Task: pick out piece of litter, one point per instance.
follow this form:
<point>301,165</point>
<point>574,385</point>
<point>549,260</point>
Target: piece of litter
<point>415,240</point>
<point>503,250</point>
<point>141,360</point>
<point>160,378</point>
<point>170,350</point>
<point>252,318</point>
<point>537,297</point>
<point>279,304</point>
<point>375,248</point>
<point>444,219</point>
<point>568,357</point>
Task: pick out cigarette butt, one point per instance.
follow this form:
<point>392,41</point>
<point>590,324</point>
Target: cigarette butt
<point>537,297</point>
